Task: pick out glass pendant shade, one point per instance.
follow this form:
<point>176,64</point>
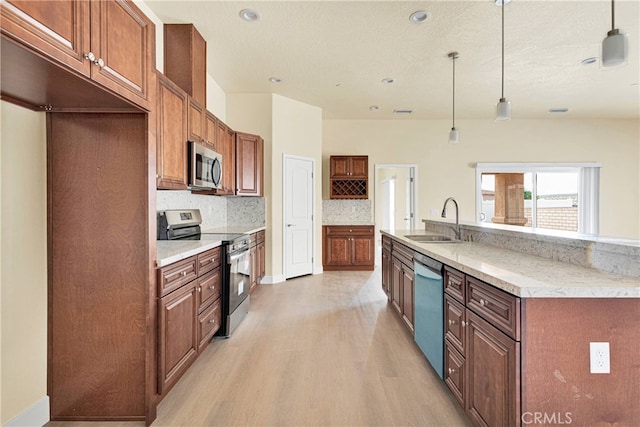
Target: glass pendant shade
<point>503,110</point>
<point>614,49</point>
<point>454,135</point>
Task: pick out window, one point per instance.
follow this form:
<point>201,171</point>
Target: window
<point>539,195</point>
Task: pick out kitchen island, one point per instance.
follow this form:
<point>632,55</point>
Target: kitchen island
<point>518,329</point>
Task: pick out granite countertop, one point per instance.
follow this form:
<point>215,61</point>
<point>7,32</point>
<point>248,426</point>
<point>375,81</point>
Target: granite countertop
<point>170,251</point>
<point>524,275</point>
<point>348,223</point>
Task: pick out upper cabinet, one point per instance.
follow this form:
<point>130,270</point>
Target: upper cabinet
<point>80,35</point>
<point>349,177</point>
<point>249,164</point>
<point>171,136</point>
<point>185,60</point>
<point>226,147</point>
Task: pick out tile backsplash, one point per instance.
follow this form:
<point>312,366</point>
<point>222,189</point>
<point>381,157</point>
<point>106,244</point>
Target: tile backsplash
<point>216,211</point>
<point>354,212</point>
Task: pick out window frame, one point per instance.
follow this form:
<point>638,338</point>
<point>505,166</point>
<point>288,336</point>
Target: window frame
<point>588,187</point>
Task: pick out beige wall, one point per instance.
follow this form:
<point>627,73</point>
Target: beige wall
<point>288,127</point>
<point>23,261</point>
<point>448,170</point>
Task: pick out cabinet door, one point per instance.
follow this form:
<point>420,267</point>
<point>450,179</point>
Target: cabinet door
<point>386,272</point>
<point>407,297</point>
<point>493,372</point>
<point>454,323</point>
<point>58,29</point>
<point>454,371</point>
<point>338,250</point>
<point>171,136</point>
<point>249,164</point>
<point>359,167</point>
<point>253,272</point>
<point>363,250</point>
<point>210,127</point>
<point>178,340</point>
<point>261,261</point>
<point>396,286</point>
<point>209,323</point>
<point>126,53</point>
<point>226,147</point>
<point>209,288</point>
<point>339,166</point>
<point>196,121</point>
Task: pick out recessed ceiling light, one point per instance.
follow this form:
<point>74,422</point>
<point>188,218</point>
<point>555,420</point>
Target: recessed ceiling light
<point>275,79</point>
<point>558,110</point>
<point>374,108</point>
<point>589,61</point>
<point>401,111</point>
<point>387,80</point>
<point>419,16</point>
<point>249,15</point>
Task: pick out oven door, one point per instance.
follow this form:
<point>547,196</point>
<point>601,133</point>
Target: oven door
<point>239,281</point>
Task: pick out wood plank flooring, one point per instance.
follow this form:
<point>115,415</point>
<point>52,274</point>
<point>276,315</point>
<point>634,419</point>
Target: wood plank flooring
<point>323,350</point>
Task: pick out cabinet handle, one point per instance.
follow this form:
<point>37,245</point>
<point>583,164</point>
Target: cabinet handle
<point>212,287</point>
<point>199,289</point>
<point>350,230</point>
<point>482,302</point>
<point>451,371</point>
<point>212,260</point>
<point>183,274</point>
<point>99,62</point>
<point>452,322</point>
<point>90,56</point>
<point>463,323</point>
<point>212,321</point>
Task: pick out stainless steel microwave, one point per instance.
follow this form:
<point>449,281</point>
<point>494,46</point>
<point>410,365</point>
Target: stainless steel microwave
<point>205,167</point>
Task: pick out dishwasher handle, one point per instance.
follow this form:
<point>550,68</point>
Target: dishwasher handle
<point>430,263</point>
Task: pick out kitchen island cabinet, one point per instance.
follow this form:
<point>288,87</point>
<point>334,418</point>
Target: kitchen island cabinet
<point>80,36</point>
<point>517,334</point>
<point>348,247</point>
<point>402,283</point>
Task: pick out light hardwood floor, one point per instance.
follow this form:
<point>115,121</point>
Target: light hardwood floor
<point>323,350</point>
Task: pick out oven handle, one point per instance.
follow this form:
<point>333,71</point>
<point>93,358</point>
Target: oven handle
<point>236,256</point>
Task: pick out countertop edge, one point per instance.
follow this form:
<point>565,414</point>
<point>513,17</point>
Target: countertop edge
<point>543,290</point>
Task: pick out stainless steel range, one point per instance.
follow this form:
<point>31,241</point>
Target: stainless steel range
<point>236,261</point>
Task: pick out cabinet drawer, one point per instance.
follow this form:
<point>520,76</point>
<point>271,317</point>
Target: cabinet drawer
<point>208,260</point>
<point>454,375</point>
<point>497,307</point>
<point>210,286</point>
<point>454,323</point>
<point>454,284</point>
<point>260,236</point>
<point>403,253</point>
<point>349,230</point>
<point>386,242</point>
<point>209,323</point>
<point>172,277</point>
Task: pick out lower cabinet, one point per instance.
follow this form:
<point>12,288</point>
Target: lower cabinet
<point>482,350</point>
<point>257,256</point>
<point>189,313</point>
<point>386,266</point>
<point>402,286</point>
<point>348,247</point>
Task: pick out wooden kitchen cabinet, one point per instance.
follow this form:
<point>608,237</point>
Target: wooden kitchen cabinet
<point>262,254</point>
<point>386,266</point>
<point>189,313</point>
<point>177,336</point>
<point>196,121</point>
<point>402,277</point>
<point>171,136</point>
<point>185,60</point>
<point>257,256</point>
<point>249,164</point>
<point>226,147</point>
<point>79,35</point>
<point>348,177</point>
<point>210,130</point>
<point>348,247</point>
<point>482,349</point>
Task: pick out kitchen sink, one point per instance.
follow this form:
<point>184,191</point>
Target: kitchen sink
<point>431,238</point>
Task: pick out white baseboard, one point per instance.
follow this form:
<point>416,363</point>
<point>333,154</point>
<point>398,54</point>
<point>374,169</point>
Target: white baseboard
<point>271,280</point>
<point>35,415</point>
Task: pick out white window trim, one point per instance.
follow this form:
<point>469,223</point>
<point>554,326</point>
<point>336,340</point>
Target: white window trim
<point>588,187</point>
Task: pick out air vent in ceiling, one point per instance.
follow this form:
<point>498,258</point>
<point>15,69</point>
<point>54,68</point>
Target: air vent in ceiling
<point>401,111</point>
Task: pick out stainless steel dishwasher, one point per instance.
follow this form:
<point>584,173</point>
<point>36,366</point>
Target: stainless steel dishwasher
<point>429,310</point>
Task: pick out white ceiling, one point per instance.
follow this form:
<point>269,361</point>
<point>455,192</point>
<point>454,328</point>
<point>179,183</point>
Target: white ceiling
<point>334,54</point>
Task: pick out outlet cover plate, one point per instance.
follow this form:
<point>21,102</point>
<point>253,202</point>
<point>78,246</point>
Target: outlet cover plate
<point>599,357</point>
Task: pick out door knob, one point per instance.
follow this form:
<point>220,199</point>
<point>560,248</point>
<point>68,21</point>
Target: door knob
<point>290,225</point>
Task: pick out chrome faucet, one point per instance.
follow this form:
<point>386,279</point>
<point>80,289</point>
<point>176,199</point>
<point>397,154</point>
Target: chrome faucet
<point>444,215</point>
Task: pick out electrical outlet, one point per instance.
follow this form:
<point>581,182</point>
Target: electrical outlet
<point>599,352</point>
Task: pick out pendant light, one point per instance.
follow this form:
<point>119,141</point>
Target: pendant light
<point>503,108</point>
<point>614,46</point>
<point>454,134</point>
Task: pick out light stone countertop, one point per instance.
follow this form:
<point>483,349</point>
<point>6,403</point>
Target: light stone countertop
<point>170,251</point>
<point>524,275</point>
<point>348,223</point>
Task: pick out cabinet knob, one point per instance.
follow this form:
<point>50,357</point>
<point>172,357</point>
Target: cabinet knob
<point>99,62</point>
<point>90,56</point>
<point>482,302</point>
<point>452,322</point>
<point>350,230</point>
<point>451,371</point>
<point>463,323</point>
<point>199,289</point>
<point>183,274</point>
<point>212,287</point>
<point>212,321</point>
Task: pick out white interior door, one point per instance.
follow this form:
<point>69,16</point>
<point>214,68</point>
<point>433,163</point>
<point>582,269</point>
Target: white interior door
<point>298,216</point>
